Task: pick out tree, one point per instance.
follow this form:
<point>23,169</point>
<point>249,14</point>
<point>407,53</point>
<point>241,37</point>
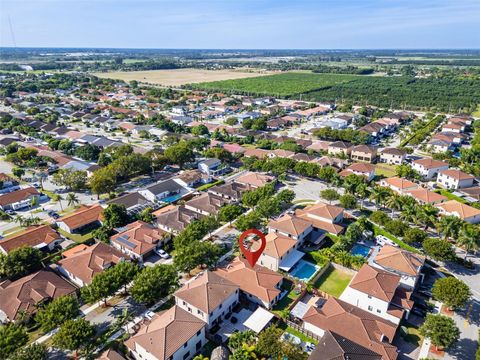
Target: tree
<point>72,199</point>
<point>180,154</point>
<point>407,172</point>
<point>103,181</point>
<point>242,337</point>
<point>199,130</point>
<point>329,195</point>
<point>441,330</point>
<point>248,221</point>
<point>269,343</point>
<point>20,262</point>
<point>195,254</point>
<point>18,172</point>
<point>451,291</point>
<point>123,273</point>
<point>115,215</point>
<point>58,198</point>
<point>146,215</point>
<point>12,337</point>
<point>229,212</point>
<point>33,352</point>
<point>348,201</point>
<point>74,335</point>
<point>414,235</point>
<point>102,286</point>
<point>87,152</point>
<point>379,195</point>
<point>286,196</point>
<point>57,312</point>
<point>469,238</point>
<point>439,249</point>
<point>154,283</point>
<point>450,226</point>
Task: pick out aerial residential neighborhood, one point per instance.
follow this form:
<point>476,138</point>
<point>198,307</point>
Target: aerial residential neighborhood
<point>137,184</point>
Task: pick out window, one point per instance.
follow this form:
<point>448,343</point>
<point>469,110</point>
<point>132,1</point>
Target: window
<point>370,308</point>
<point>185,345</point>
<point>198,346</point>
<point>379,311</point>
<point>186,355</point>
<point>199,332</point>
<point>184,303</point>
<point>220,306</point>
<point>199,312</point>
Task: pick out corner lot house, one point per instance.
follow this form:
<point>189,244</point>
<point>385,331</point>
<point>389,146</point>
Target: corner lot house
<point>353,323</point>
<point>463,211</point>
<point>455,179</point>
<point>392,156</point>
<point>429,168</point>
<point>173,334</point>
<point>139,240</point>
<point>85,218</point>
<point>258,284</point>
<point>23,295</point>
<point>209,297</point>
<point>81,266</point>
<point>40,237</point>
<point>18,199</point>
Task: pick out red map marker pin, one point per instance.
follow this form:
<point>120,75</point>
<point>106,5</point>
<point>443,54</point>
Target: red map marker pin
<point>252,256</point>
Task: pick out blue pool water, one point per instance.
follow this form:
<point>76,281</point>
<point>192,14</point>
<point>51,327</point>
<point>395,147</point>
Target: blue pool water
<point>304,270</point>
<point>172,198</point>
<point>359,249</point>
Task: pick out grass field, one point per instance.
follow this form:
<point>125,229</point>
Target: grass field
<point>178,77</point>
<point>333,282</point>
<point>451,196</point>
<point>286,84</point>
<point>385,170</point>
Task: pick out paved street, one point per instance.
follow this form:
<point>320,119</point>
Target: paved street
<point>470,276</point>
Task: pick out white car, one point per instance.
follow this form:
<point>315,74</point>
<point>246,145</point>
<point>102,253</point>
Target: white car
<point>149,315</point>
<point>162,254</point>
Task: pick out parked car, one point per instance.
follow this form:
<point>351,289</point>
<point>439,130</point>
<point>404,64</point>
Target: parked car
<point>162,253</point>
<point>149,315</point>
<point>10,212</point>
<point>309,347</point>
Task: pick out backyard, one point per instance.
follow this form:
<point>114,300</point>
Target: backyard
<point>288,299</point>
<point>333,281</point>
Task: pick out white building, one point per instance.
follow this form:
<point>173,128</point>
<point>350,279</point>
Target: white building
<point>455,179</point>
<point>429,168</point>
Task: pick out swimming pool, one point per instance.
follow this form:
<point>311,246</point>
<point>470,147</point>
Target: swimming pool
<point>304,270</point>
<point>359,249</point>
<point>172,198</point>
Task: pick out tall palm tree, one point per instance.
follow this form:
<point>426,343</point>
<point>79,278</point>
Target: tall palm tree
<point>58,198</point>
<point>72,199</point>
<point>379,195</point>
<point>408,212</point>
<point>469,238</point>
<point>394,202</point>
<point>449,226</point>
<point>428,215</point>
<point>362,192</point>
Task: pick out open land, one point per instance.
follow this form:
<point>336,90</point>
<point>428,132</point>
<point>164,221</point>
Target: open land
<point>177,77</point>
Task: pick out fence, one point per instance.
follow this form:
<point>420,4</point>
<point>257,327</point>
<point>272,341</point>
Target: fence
<point>302,330</point>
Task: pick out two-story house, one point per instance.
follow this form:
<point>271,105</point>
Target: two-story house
<point>363,153</point>
<point>392,156</point>
<point>429,168</point>
<point>291,226</point>
<point>455,179</point>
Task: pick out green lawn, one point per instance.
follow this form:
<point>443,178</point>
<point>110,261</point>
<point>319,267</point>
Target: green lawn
<point>385,170</point>
<point>301,336</point>
<point>450,196</point>
<point>333,282</point>
<point>78,238</point>
<point>379,231</point>
<point>287,299</point>
<point>412,334</point>
<point>477,112</point>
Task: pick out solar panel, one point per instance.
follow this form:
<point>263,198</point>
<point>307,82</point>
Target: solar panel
<point>124,240</point>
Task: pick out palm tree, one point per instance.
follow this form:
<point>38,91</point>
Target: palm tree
<point>379,194</point>
<point>449,226</point>
<point>58,198</point>
<point>362,192</point>
<point>72,199</point>
<point>469,238</point>
<point>394,202</point>
<point>428,215</point>
<point>408,212</point>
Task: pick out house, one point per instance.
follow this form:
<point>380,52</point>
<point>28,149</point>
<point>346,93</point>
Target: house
<point>440,146</point>
<point>357,325</point>
<point>7,181</point>
<point>258,153</point>
<point>330,161</point>
<point>339,147</point>
<point>162,190</point>
<point>401,262</point>
<point>291,226</point>
<point>463,211</point>
<point>25,295</point>
<point>375,129</point>
<point>212,167</point>
<point>206,204</point>
<point>254,180</point>
<point>139,240</point>
<point>39,237</point>
<point>175,219</point>
<point>398,184</point>
<point>336,347</point>
<point>429,168</point>
<point>363,153</point>
<point>191,178</point>
<point>324,218</point>
<point>111,354</point>
<point>208,297</point>
<point>454,179</point>
<point>134,202</point>
<point>319,146</point>
<point>81,266</point>
<point>18,199</point>
<point>173,334</point>
<point>360,169</point>
<point>86,217</point>
<point>258,284</point>
<point>280,252</point>
<point>425,196</point>
<point>453,127</point>
<point>473,193</point>
<point>392,156</point>
<point>232,191</point>
<point>379,292</point>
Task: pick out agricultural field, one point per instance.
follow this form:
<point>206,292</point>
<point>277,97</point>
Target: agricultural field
<point>285,84</point>
<point>178,77</point>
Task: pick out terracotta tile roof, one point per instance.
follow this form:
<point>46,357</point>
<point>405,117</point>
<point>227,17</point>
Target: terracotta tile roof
<point>111,354</point>
<point>254,179</point>
<point>25,293</point>
<point>355,324</point>
<point>207,291</point>
<point>259,281</point>
<point>83,216</point>
<point>259,153</point>
<point>364,149</point>
<point>399,183</point>
<point>393,151</point>
<point>463,211</point>
<point>391,257</point>
<point>322,211</point>
<point>457,174</point>
<point>231,190</point>
<point>426,196</point>
<point>166,333</point>
<point>278,245</point>
<point>32,237</point>
<point>207,202</point>
<point>428,163</point>
<point>283,153</point>
<point>375,282</point>
<point>336,347</point>
<point>361,167</point>
<point>91,261</point>
<point>142,236</point>
<point>319,145</point>
<point>18,195</point>
<point>330,161</point>
<point>340,145</point>
<point>289,224</point>
<point>76,249</point>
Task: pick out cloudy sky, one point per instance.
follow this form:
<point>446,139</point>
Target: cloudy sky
<point>241,24</point>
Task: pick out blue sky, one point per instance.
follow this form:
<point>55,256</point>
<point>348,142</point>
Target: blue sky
<point>249,24</point>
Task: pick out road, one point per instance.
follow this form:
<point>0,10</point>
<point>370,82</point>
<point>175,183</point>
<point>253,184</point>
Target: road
<point>470,276</point>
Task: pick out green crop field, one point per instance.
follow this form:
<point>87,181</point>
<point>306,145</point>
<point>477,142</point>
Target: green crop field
<point>287,84</point>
